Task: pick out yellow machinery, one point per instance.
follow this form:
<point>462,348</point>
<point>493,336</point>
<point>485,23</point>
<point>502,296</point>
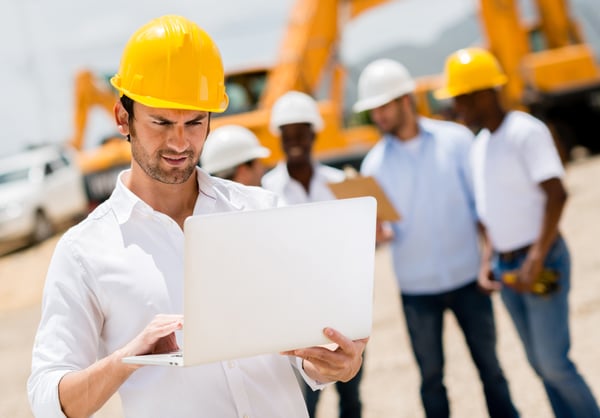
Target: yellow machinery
<point>100,165</point>
<point>552,73</point>
<point>307,61</point>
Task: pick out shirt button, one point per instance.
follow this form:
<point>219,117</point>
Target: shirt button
<point>246,416</point>
<point>231,365</point>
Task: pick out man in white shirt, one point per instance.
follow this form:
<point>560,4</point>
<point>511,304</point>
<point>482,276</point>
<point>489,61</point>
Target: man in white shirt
<point>114,285</point>
<point>520,197</point>
<point>295,118</point>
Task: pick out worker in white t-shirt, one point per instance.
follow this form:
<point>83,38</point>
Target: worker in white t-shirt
<point>520,196</point>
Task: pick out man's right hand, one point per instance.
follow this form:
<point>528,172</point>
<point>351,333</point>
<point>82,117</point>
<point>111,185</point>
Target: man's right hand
<point>158,337</point>
<point>486,282</point>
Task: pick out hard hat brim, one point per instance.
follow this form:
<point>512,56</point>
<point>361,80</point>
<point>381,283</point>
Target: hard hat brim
<point>371,103</point>
<point>166,104</point>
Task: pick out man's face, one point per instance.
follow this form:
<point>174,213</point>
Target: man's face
<point>297,140</point>
<point>166,143</point>
<point>389,117</point>
<point>466,107</point>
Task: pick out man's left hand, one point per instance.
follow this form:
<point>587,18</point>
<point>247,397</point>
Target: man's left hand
<point>330,365</point>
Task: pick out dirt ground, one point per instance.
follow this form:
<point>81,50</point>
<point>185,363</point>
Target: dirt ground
<point>390,385</point>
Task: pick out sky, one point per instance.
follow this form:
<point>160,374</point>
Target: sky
<point>44,43</point>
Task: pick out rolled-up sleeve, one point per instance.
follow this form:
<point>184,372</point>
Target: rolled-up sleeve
<point>68,333</point>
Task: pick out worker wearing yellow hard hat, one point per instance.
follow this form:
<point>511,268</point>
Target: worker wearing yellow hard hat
<point>114,288</point>
<point>171,62</point>
<point>469,70</point>
<point>519,198</point>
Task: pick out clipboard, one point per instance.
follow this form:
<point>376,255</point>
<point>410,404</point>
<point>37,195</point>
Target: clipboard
<point>357,186</point>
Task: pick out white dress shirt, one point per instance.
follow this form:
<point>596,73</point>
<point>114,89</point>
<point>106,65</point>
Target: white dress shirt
<point>278,180</point>
<point>108,278</point>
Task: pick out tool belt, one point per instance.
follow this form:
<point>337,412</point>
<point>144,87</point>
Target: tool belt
<point>510,256</point>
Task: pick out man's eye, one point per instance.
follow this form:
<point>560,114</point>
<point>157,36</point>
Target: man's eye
<point>161,122</point>
<point>195,122</point>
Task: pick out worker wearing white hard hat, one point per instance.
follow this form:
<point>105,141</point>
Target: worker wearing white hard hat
<point>422,165</point>
<point>296,120</point>
<point>233,152</point>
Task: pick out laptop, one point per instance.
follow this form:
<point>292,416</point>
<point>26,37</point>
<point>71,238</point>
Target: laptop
<point>269,280</point>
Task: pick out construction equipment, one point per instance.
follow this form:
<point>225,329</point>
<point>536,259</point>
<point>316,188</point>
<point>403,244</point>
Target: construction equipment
<point>101,164</point>
<point>552,71</point>
<point>307,62</point>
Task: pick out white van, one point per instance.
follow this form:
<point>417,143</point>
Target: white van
<point>41,190</point>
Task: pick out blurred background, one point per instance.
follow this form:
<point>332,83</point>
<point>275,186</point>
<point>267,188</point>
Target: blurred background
<point>59,152</point>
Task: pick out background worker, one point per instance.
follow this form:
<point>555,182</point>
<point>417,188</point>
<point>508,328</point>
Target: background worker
<point>114,287</point>
<point>295,118</point>
<point>422,165</point>
<point>520,198</point>
<point>233,152</point>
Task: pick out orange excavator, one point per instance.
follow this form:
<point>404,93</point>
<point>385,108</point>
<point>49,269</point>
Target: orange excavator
<point>308,62</point>
<point>101,164</point>
<point>552,71</point>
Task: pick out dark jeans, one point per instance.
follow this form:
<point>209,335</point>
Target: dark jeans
<point>349,394</point>
<point>473,310</point>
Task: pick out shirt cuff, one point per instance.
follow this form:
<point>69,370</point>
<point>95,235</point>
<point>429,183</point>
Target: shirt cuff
<point>314,385</point>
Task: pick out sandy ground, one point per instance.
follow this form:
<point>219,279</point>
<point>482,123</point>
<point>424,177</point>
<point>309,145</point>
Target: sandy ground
<point>390,385</point>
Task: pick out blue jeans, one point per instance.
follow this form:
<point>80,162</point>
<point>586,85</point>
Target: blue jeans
<point>349,405</point>
<point>542,323</point>
<point>473,310</point>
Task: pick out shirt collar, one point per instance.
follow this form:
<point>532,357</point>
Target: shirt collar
<point>124,201</point>
<point>424,133</point>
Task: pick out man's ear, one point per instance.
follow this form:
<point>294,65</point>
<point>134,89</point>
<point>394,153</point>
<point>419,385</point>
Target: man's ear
<point>121,118</point>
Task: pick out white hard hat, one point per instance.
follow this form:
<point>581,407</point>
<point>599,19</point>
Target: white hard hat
<point>295,107</point>
<point>382,81</point>
<point>229,146</point>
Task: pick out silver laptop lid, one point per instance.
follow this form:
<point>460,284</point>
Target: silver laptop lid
<point>269,280</point>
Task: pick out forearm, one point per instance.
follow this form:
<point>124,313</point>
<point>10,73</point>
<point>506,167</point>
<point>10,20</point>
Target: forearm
<point>84,392</point>
<point>555,202</point>
<point>485,246</point>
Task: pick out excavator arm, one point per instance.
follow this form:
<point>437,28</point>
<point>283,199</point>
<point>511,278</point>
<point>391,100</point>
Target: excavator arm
<point>101,163</point>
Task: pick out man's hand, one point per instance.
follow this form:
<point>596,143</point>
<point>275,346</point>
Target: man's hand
<point>158,337</point>
<point>485,280</point>
<point>327,365</point>
<point>383,233</point>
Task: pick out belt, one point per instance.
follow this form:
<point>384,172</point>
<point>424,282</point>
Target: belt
<point>509,256</point>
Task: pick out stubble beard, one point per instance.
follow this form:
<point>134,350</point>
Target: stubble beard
<point>151,166</point>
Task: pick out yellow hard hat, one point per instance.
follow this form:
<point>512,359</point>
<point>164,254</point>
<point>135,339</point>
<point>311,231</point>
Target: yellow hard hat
<point>468,70</point>
<point>172,63</point>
